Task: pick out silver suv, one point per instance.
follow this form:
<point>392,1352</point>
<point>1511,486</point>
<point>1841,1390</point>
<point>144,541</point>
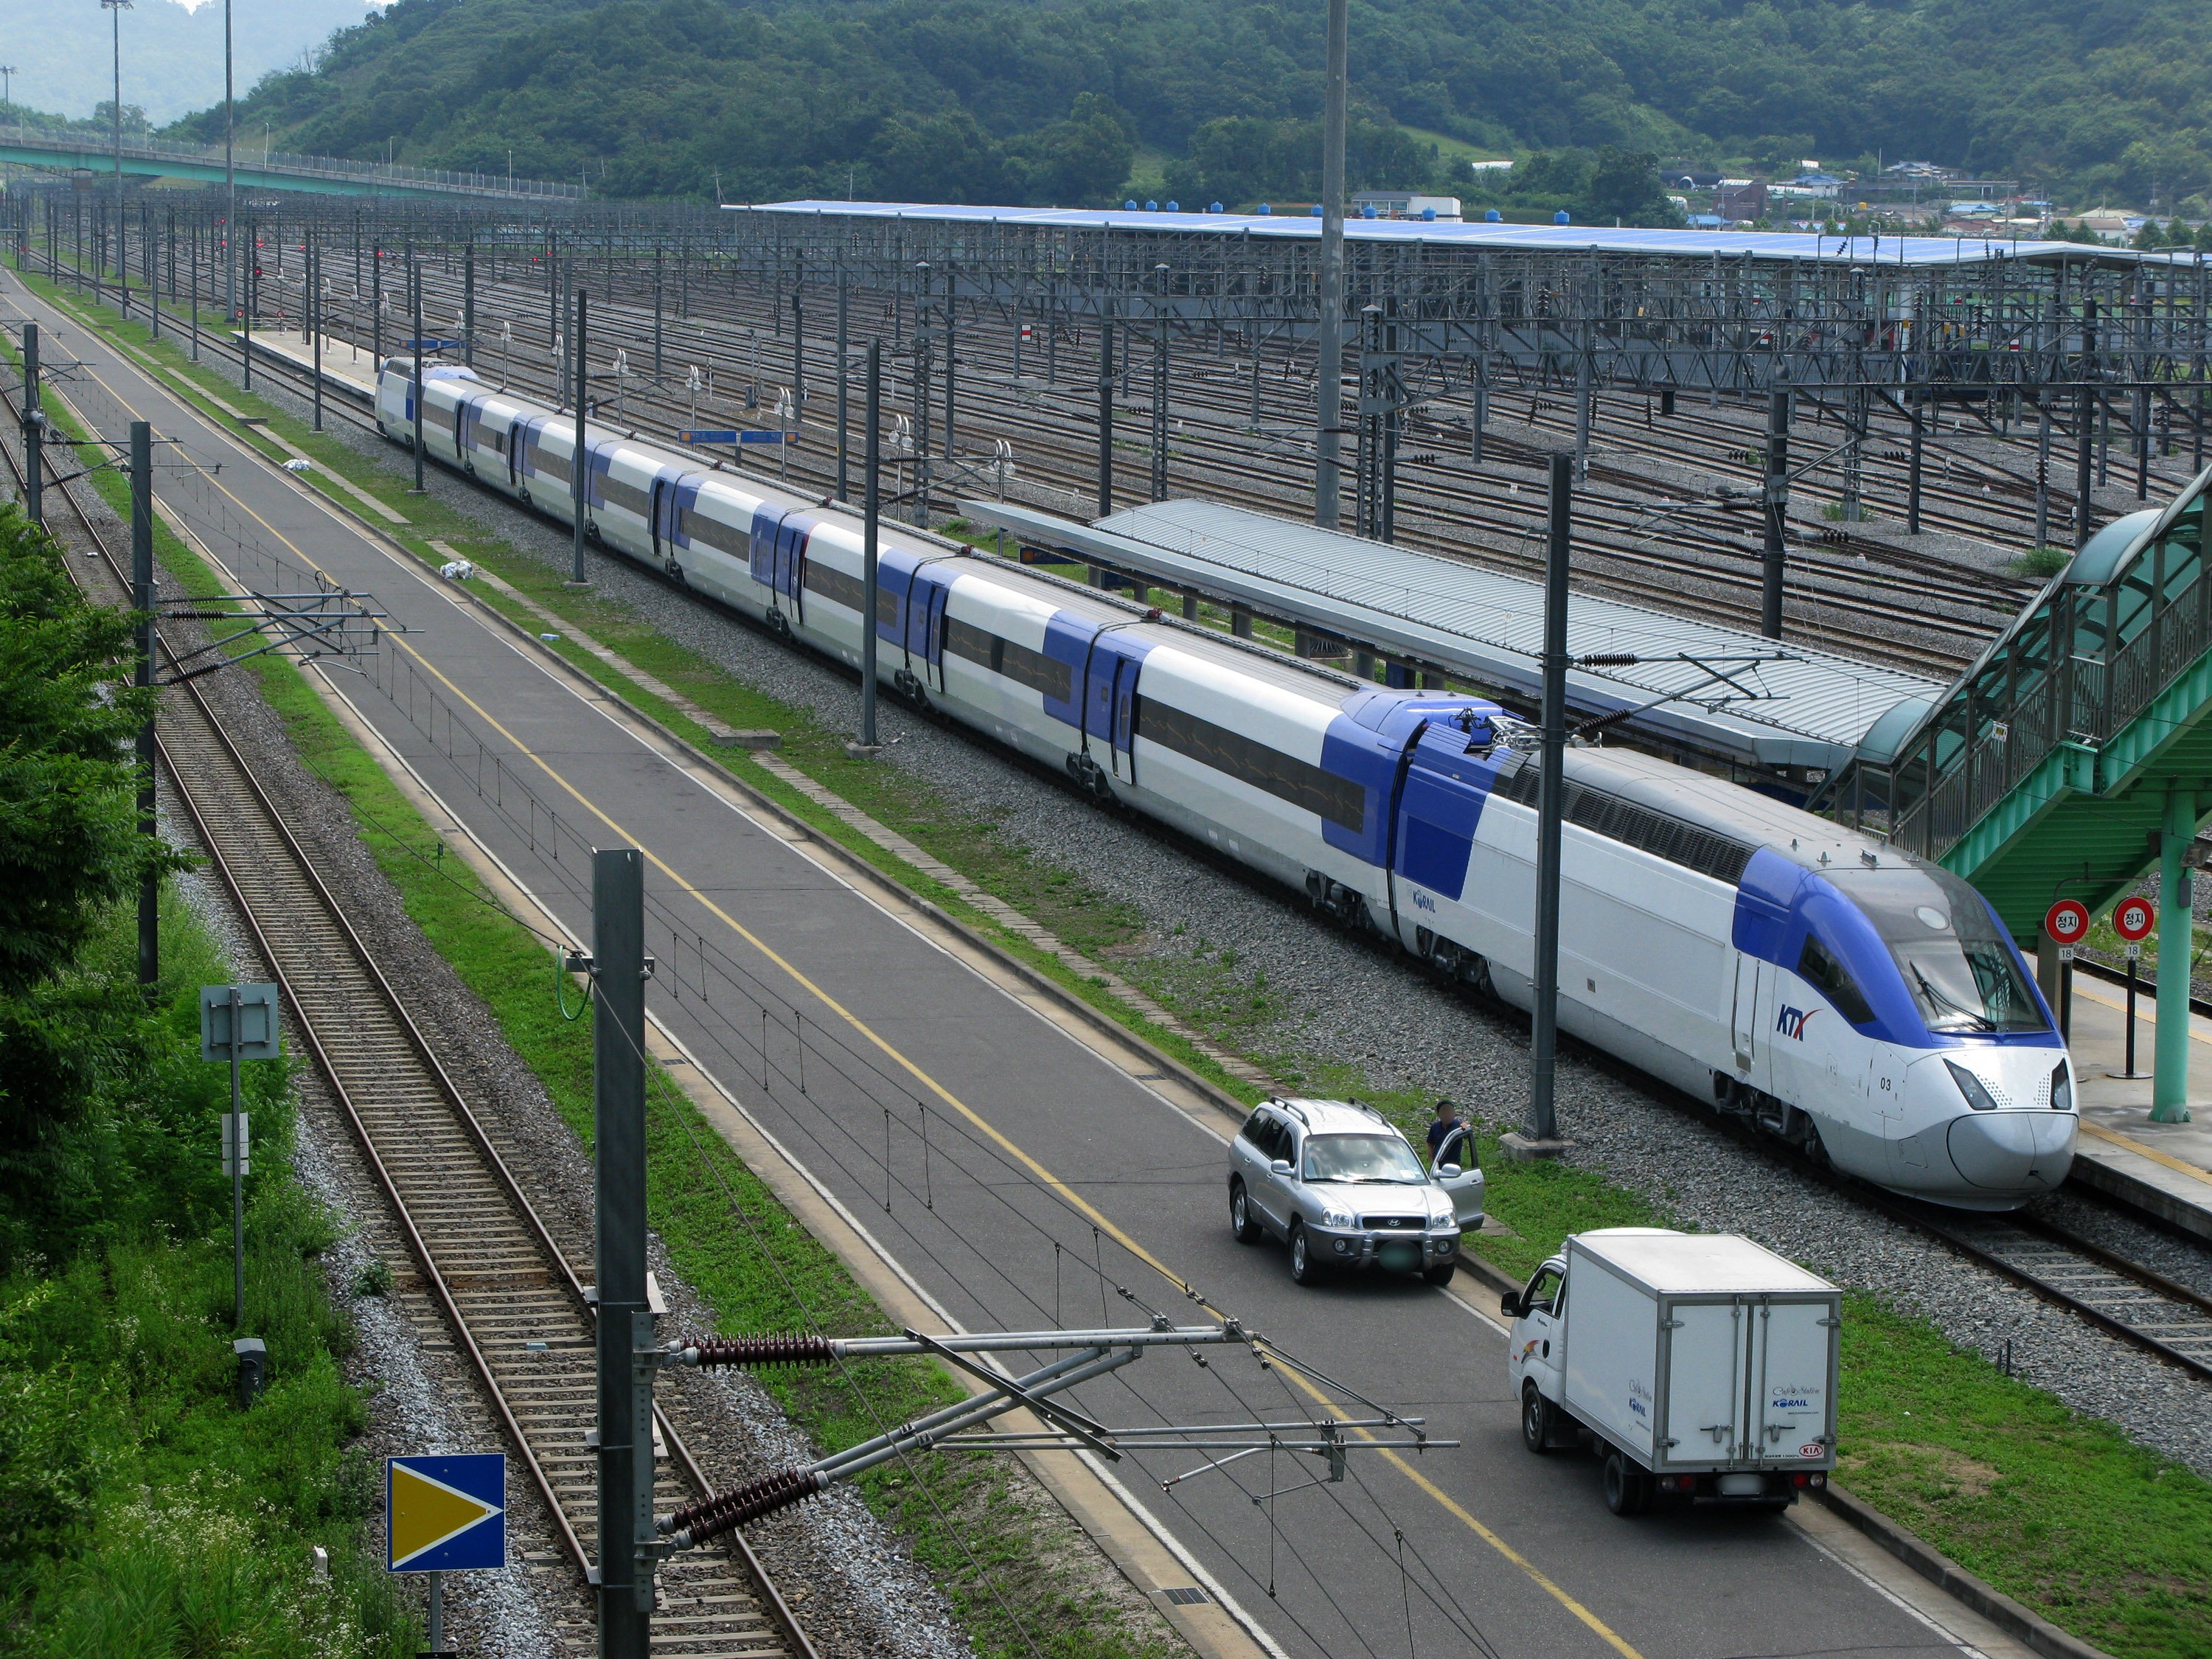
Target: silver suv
<point>1338,1183</point>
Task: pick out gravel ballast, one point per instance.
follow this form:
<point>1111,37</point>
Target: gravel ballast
<point>1333,999</point>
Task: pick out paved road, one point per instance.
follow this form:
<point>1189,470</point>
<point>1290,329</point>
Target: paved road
<point>1043,1161</point>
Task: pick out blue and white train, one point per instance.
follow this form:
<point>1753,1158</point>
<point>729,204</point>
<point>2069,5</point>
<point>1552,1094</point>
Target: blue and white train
<point>1860,1002</point>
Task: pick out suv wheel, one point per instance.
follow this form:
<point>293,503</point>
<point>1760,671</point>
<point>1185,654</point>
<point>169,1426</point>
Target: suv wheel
<point>1535,1419</point>
<point>1441,1274</point>
<point>1247,1230</point>
<point>1305,1267</point>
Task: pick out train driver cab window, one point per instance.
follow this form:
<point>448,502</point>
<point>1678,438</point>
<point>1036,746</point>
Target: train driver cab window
<point>1818,967</point>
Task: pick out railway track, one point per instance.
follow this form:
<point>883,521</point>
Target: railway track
<point>2124,1298</point>
<point>513,1297</point>
<point>1686,557</point>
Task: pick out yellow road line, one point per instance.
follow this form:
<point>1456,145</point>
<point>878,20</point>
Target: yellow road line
<point>1074,1199</point>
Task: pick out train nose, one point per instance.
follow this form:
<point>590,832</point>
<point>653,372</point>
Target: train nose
<point>2024,1152</point>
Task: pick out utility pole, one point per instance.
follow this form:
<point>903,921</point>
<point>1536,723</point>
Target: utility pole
<point>625,1320</point>
<point>34,431</point>
<point>1778,507</point>
<point>315,321</point>
<point>1105,419</point>
<point>1542,1130</point>
<point>469,309</point>
<point>141,596</point>
<point>870,574</point>
<point>1330,410</point>
<point>415,294</point>
<point>844,383</point>
<point>229,174</point>
<point>576,461</point>
<point>2085,418</point>
<point>1160,387</point>
<point>115,9</point>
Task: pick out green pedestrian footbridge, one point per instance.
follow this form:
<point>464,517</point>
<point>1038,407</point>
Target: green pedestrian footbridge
<point>2073,754</point>
<point>83,151</point>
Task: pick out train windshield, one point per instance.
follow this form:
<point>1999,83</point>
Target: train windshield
<point>1956,961</point>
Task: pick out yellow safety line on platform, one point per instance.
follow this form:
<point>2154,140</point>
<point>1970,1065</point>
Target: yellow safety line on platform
<point>1450,1505</point>
<point>2141,1150</point>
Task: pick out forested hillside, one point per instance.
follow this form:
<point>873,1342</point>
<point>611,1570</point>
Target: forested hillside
<point>1056,101</point>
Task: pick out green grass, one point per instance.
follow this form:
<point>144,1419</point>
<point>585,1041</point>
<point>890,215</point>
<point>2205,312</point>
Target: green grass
<point>734,1242</point>
<point>142,1512</point>
<point>1914,1405</point>
<point>2059,1511</point>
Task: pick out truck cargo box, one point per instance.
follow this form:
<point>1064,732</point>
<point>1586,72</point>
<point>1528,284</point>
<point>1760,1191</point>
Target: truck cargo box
<point>1692,1352</point>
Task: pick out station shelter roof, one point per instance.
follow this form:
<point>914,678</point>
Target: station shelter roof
<point>1479,236</point>
<point>1811,710</point>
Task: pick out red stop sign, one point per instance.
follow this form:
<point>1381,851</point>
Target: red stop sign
<point>2133,918</point>
<point>2066,921</point>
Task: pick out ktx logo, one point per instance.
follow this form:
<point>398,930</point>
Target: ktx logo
<point>1791,1022</point>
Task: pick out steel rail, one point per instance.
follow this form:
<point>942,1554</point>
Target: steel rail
<point>762,1583</point>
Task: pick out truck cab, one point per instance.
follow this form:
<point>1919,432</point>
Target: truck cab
<point>1701,1369</point>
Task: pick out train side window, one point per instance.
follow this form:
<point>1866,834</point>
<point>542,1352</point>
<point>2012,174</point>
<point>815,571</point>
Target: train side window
<point>1818,967</point>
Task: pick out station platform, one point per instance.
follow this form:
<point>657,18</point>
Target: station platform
<point>1700,686</point>
<point>2164,1168</point>
<point>348,369</point>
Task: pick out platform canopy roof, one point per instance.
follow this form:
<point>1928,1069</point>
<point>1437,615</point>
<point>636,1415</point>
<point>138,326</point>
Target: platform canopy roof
<point>1479,236</point>
<point>1487,627</point>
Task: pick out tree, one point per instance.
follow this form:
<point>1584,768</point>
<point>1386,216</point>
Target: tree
<point>1624,186</point>
<point>944,158</point>
<point>69,843</point>
<point>1077,161</point>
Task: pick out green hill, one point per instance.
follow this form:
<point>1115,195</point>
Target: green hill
<point>1048,100</point>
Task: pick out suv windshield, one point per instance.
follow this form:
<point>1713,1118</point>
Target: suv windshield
<point>1361,1158</point>
<point>1955,960</point>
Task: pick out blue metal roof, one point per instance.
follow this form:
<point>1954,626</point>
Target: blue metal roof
<point>1477,235</point>
<point>1487,626</point>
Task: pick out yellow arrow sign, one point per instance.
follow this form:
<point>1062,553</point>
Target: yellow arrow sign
<point>426,1513</point>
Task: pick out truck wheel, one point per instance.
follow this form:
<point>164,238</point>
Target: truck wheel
<point>1305,1267</point>
<point>1247,1230</point>
<point>1441,1274</point>
<point>1627,1489</point>
<point>1535,1419</point>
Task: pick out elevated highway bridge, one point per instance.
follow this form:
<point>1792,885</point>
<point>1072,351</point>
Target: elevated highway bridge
<point>143,157</point>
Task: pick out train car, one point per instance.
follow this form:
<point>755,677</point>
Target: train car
<point>1863,1004</point>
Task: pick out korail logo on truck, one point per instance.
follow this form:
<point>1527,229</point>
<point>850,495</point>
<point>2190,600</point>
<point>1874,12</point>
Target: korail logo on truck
<point>1793,1397</point>
<point>1639,1400</point>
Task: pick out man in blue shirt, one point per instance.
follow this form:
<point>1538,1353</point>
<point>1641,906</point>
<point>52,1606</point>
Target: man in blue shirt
<point>1447,1121</point>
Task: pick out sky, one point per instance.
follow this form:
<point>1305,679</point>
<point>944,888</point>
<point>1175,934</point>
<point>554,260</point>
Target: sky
<point>61,50</point>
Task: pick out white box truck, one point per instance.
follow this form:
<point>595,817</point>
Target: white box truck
<point>1701,1367</point>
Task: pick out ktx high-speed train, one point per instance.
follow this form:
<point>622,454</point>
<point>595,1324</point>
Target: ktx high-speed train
<point>1859,1001</point>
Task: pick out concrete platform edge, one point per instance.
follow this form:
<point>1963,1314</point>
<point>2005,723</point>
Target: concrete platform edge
<point>2104,1174</point>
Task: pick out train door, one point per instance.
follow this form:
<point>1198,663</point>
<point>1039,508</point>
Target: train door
<point>791,561</point>
<point>767,520</point>
<point>1125,670</point>
<point>1751,976</point>
<point>674,497</point>
<point>518,439</point>
<point>928,590</point>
